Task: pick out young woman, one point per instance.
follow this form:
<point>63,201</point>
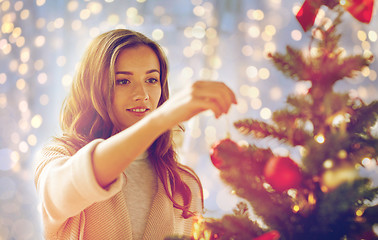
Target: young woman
<point>113,174</point>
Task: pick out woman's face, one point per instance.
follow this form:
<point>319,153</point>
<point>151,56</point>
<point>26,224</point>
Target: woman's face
<point>137,87</point>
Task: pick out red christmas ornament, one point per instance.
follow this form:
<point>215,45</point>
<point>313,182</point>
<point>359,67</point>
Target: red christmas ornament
<point>272,235</point>
<point>222,150</point>
<point>362,10</point>
<point>282,173</point>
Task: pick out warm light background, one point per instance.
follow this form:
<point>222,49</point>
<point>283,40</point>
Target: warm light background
<point>41,41</point>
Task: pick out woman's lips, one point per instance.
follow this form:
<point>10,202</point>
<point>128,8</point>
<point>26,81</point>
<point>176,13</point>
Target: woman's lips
<point>138,111</point>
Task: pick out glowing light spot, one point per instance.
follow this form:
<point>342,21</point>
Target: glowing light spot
<point>18,6</point>
<point>270,30</point>
<point>211,33</point>
<point>359,213</point>
<point>255,14</point>
<point>247,50</point>
<point>342,154</point>
<point>61,61</point>
<point>23,106</point>
<point>16,32</point>
<point>275,93</point>
<point>40,23</point>
<point>270,47</point>
<point>94,7</point>
<point>319,138</point>
<point>13,65</point>
<point>5,6</point>
<point>20,41</point>
<point>72,6</point>
<point>23,147</point>
<point>265,113</point>
<point>58,23</point>
<point>198,32</point>
<point>40,2</point>
<point>36,121</point>
<point>113,19</point>
<point>42,78</point>
<point>256,103</point>
<point>208,50</point>
<point>365,45</point>
<point>295,208</point>
<point>39,41</point>
<point>44,99</point>
<point>373,36</point>
<point>264,73</point>
<point>38,65</point>
<point>188,52</point>
<point>328,164</point>
<point>3,100</point>
<point>368,163</point>
<point>157,34</point>
<point>32,140</point>
<point>296,35</point>
<point>196,45</point>
<point>24,14</point>
<point>15,156</point>
<point>251,71</point>
<point>253,92</point>
<point>66,80</point>
<point>85,14</point>
<point>199,11</point>
<point>3,78</point>
<point>254,31</point>
<point>372,76</point>
<point>215,62</point>
<point>361,35</point>
<point>7,27</point>
<point>131,12</point>
<point>23,68</point>
<point>20,84</point>
<point>25,55</point>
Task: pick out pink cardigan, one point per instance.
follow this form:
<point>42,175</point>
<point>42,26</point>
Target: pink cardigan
<point>75,207</point>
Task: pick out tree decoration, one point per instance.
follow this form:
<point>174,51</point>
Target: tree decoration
<point>360,9</point>
<point>282,173</point>
<point>222,151</point>
<point>325,196</point>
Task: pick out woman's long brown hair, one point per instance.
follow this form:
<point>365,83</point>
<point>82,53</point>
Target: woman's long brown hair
<point>86,113</point>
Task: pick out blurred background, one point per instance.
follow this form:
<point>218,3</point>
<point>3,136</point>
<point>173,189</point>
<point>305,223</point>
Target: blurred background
<point>41,42</point>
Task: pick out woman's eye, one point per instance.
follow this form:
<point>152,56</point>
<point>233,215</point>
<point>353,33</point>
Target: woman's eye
<point>152,80</point>
<point>122,82</point>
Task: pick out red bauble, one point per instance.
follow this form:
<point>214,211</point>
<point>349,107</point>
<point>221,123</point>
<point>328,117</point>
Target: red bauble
<point>272,235</point>
<point>222,150</point>
<point>282,173</point>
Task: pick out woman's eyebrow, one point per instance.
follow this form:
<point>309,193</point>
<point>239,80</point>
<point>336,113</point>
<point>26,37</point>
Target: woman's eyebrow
<point>130,73</point>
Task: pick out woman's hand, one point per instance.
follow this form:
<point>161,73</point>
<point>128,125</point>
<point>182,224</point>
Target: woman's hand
<point>114,154</point>
<point>199,97</point>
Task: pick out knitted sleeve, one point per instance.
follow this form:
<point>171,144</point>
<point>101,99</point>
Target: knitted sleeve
<point>66,184</point>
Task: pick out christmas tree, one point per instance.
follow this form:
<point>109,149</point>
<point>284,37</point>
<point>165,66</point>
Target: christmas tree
<point>324,196</point>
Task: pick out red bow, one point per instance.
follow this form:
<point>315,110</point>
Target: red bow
<point>360,9</point>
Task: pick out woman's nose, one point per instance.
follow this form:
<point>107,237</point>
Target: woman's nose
<point>140,92</point>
